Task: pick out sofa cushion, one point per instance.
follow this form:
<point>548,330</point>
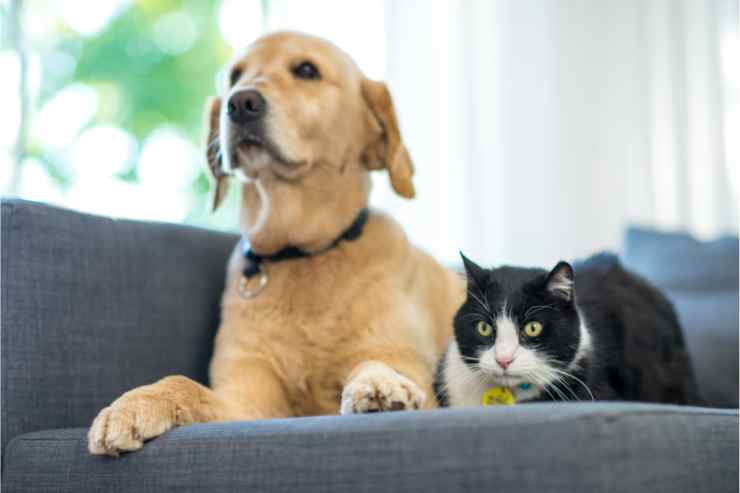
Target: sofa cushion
<point>701,279</point>
<point>554,447</point>
<point>94,306</point>
<point>678,261</point>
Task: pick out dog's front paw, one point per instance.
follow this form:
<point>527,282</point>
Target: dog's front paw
<point>127,423</point>
<point>377,387</point>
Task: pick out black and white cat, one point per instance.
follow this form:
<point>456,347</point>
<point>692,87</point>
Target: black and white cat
<point>527,335</point>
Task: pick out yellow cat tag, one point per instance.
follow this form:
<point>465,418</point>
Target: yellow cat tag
<point>497,396</point>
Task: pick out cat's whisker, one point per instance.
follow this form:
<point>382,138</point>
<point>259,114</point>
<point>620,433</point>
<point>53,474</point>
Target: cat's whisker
<point>545,387</point>
<point>532,375</point>
<point>562,375</point>
<point>567,388</point>
<point>554,384</point>
<point>581,382</point>
<point>548,380</point>
<point>555,381</point>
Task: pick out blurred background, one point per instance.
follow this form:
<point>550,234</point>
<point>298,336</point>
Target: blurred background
<point>540,130</point>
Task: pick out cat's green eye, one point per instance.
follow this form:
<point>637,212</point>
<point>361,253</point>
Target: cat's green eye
<point>484,329</point>
<point>533,329</point>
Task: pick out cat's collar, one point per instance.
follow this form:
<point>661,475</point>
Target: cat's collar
<point>254,260</point>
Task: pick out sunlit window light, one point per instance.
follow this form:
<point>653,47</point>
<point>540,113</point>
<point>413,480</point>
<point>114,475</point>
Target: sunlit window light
<point>357,27</point>
<point>90,18</point>
<point>168,160</point>
<point>240,21</point>
<point>102,151</point>
<point>37,184</point>
<point>9,101</point>
<point>62,117</point>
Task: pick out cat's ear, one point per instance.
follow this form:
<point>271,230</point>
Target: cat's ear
<point>560,281</point>
<point>477,275</point>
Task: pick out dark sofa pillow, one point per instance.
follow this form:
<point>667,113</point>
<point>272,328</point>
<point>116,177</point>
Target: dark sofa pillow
<point>701,279</point>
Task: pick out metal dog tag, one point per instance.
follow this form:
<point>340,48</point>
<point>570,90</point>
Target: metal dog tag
<point>247,292</point>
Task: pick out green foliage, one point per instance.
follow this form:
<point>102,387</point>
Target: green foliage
<point>141,86</point>
<point>151,88</point>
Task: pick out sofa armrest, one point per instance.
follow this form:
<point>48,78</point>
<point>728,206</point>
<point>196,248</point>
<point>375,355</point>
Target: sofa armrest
<point>94,306</point>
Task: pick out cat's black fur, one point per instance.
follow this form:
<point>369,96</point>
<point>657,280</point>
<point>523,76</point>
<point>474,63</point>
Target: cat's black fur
<point>637,351</point>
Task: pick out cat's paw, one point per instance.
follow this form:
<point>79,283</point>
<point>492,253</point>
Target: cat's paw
<point>377,387</point>
<point>126,424</point>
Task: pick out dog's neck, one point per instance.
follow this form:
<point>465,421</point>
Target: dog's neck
<point>307,214</point>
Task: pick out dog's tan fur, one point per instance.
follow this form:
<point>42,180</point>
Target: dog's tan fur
<point>356,328</point>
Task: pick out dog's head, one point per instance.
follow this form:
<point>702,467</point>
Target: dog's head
<point>296,111</point>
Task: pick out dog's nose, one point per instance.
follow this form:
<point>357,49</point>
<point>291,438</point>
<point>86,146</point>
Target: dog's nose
<point>246,106</point>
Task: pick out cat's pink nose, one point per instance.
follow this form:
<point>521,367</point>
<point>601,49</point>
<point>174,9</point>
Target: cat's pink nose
<point>504,361</point>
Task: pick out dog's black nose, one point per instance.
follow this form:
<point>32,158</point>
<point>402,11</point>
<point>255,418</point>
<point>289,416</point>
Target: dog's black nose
<point>246,106</point>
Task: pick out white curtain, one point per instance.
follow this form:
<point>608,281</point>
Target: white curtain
<point>540,129</point>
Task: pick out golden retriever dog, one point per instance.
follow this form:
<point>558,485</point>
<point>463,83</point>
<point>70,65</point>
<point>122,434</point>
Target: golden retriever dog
<point>355,318</point>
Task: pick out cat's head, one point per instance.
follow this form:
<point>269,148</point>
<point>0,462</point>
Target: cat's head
<point>519,327</point>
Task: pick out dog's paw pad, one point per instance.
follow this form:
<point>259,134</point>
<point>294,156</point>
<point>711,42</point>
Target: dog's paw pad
<point>380,388</point>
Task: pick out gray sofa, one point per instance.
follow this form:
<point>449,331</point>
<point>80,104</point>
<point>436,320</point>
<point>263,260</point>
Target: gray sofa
<point>93,306</point>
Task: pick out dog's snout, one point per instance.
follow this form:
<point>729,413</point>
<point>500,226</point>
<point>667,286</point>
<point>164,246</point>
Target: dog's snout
<point>245,106</point>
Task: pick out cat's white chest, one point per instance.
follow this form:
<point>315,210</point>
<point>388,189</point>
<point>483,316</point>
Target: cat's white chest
<point>463,387</point>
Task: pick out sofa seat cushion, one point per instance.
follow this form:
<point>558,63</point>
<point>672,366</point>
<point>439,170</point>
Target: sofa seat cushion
<point>550,447</point>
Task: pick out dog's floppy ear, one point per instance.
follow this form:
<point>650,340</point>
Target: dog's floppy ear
<point>219,183</point>
<point>386,150</point>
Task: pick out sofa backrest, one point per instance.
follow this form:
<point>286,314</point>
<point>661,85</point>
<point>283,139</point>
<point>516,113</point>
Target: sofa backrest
<point>701,279</point>
<point>93,306</point>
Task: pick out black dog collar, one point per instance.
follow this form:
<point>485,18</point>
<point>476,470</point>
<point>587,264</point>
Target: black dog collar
<point>254,260</point>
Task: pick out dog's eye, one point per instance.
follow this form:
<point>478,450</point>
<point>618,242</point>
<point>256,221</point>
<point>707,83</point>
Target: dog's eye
<point>306,70</point>
<point>235,75</point>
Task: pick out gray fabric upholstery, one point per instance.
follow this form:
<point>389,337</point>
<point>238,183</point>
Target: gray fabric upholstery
<point>551,448</point>
<point>701,279</point>
<point>679,261</point>
<point>92,307</point>
<point>711,333</point>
